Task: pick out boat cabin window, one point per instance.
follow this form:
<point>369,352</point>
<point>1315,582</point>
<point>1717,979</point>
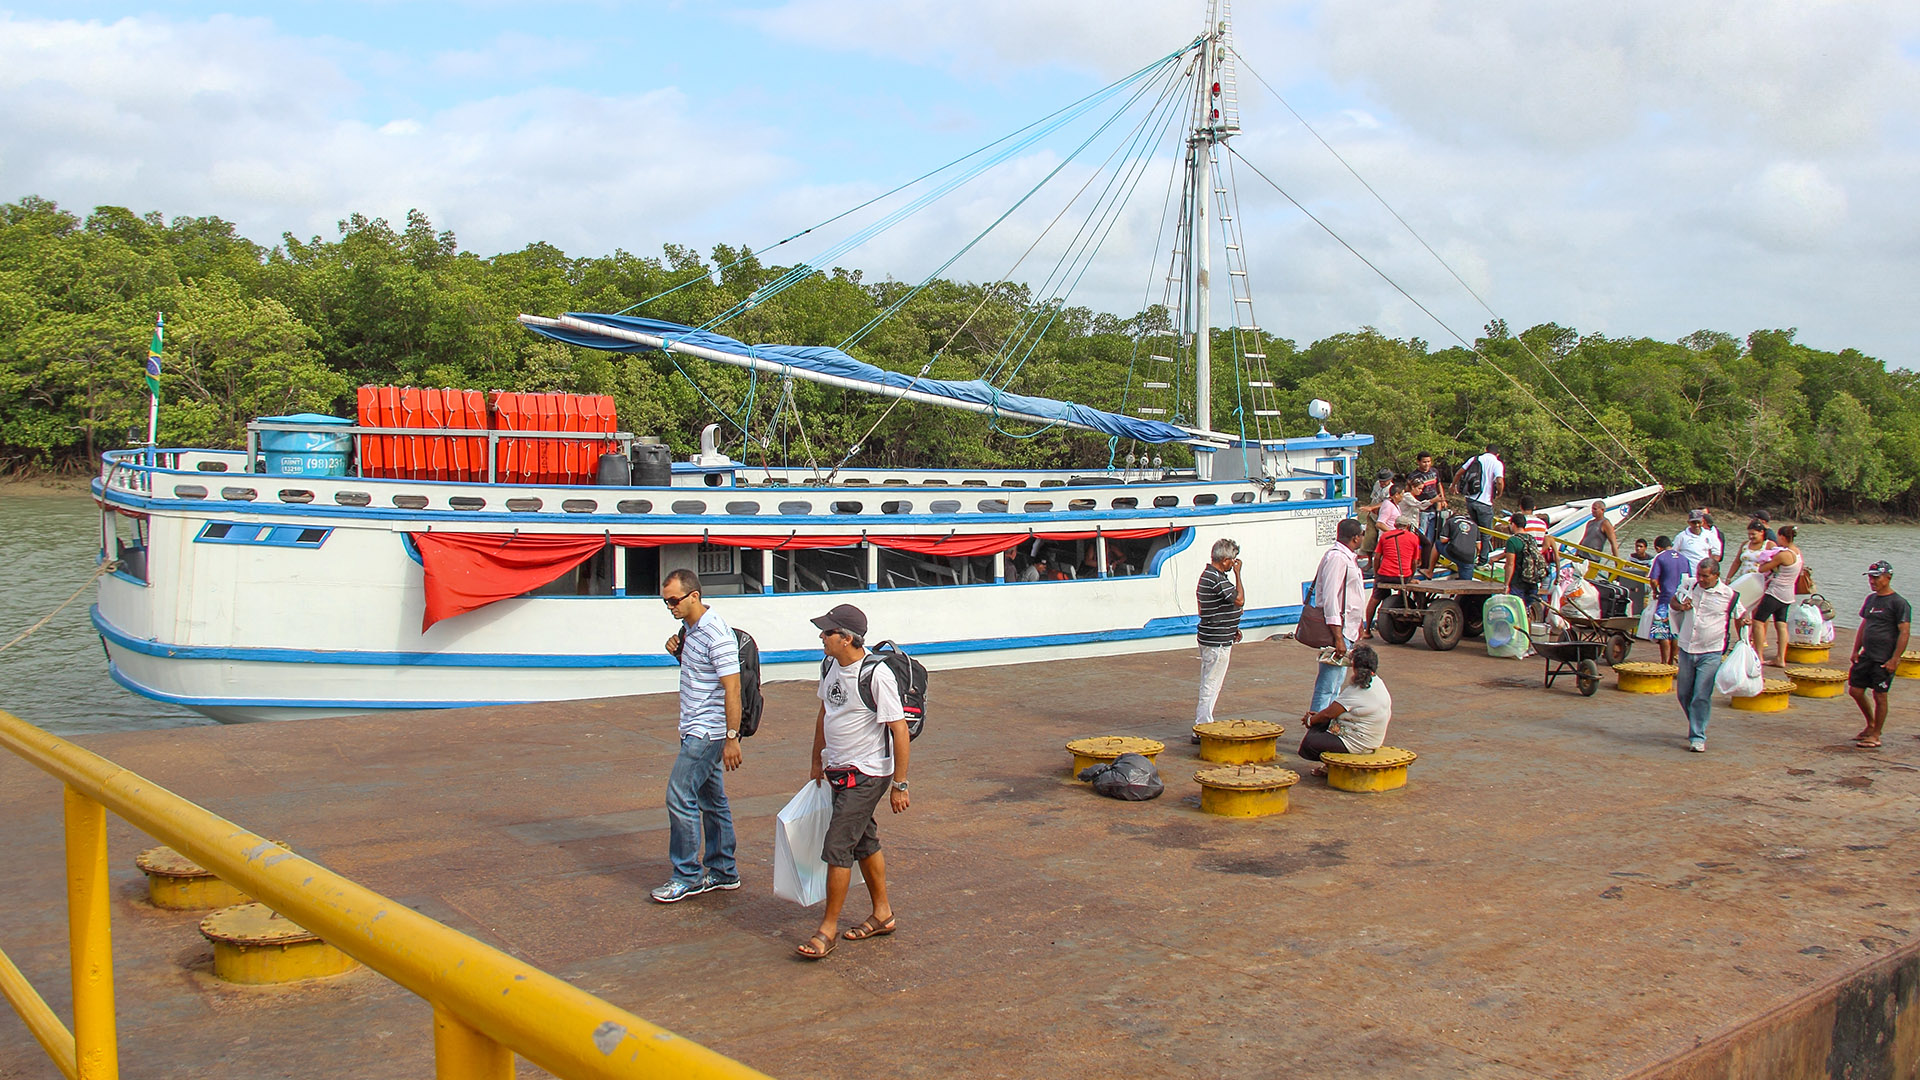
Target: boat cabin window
<point>127,534</point>
<point>1068,560</point>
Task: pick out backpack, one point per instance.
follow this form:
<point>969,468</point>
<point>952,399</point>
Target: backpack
<point>1529,565</point>
<point>1474,478</point>
<point>752,704</point>
<point>1463,540</point>
<point>909,675</point>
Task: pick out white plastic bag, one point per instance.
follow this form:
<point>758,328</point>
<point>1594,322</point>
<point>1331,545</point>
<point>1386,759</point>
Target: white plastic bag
<point>1645,630</point>
<point>799,873</point>
<point>1804,625</point>
<point>1739,674</point>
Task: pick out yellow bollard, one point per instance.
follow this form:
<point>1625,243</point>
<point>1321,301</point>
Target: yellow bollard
<point>1381,770</point>
<point>1645,677</point>
<point>177,883</point>
<point>1909,665</point>
<point>1101,749</point>
<point>90,939</point>
<point>1808,654</point>
<point>1238,742</point>
<point>254,945</point>
<point>461,1053</point>
<point>1817,682</point>
<point>1776,696</point>
<point>1245,790</point>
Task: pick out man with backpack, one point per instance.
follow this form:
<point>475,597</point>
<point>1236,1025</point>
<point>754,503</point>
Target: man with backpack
<point>1526,564</point>
<point>710,717</point>
<point>860,749</point>
<point>1481,480</point>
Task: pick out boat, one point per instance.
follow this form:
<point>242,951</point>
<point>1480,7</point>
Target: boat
<point>428,569</point>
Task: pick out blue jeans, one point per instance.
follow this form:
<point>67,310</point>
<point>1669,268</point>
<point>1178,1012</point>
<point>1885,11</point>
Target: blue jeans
<point>1327,682</point>
<point>1694,687</point>
<point>697,803</point>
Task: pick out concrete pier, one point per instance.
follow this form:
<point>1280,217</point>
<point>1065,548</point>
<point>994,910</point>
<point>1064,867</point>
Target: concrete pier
<point>1561,890</point>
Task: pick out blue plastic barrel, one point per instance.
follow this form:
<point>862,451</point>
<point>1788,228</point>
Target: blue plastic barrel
<point>306,453</point>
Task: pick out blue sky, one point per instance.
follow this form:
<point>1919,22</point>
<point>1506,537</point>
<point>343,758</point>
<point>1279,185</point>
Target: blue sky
<point>1642,167</point>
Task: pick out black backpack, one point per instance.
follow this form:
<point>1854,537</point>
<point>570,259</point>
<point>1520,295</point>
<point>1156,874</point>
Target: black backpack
<point>752,704</point>
<point>1473,478</point>
<point>909,675</point>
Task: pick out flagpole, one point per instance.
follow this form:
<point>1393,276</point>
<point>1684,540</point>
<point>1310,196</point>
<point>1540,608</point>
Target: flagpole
<point>153,386</point>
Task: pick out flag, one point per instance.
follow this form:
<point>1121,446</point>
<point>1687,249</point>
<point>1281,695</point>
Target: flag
<point>153,354</point>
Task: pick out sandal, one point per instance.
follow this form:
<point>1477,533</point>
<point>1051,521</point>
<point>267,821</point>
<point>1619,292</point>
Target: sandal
<point>869,928</point>
<point>819,951</point>
<point>1319,770</point>
<point>1866,744</point>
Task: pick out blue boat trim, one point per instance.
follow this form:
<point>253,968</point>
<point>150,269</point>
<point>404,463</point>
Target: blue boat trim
<point>1169,626</point>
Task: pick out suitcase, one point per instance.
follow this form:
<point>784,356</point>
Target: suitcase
<point>1614,598</point>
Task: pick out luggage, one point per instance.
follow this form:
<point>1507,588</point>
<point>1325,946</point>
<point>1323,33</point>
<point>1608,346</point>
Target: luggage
<point>1504,624</point>
<point>1615,600</point>
<point>1129,777</point>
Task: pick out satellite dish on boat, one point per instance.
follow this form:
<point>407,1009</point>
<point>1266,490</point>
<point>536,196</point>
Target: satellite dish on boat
<point>1319,409</point>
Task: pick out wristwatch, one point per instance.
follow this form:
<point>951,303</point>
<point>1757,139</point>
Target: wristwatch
<point>899,785</point>
<point>735,734</point>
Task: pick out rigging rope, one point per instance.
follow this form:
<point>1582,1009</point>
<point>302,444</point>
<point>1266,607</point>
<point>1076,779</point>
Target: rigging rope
<point>1646,472</point>
<point>106,566</point>
<point>1442,323</point>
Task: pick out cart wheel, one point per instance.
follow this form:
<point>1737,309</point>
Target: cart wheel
<point>1444,625</point>
<point>1619,647</point>
<point>1589,678</point>
<point>1476,609</point>
<point>1390,621</point>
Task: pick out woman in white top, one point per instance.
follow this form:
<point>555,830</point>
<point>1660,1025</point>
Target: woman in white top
<point>1755,552</point>
<point>1782,568</point>
<point>1356,720</point>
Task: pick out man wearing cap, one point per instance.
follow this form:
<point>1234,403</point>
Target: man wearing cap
<point>860,751</point>
<point>1885,619</point>
<point>1696,543</point>
<point>709,658</point>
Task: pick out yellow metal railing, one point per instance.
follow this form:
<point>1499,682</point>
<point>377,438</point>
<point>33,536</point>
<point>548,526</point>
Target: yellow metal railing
<point>1598,562</point>
<point>487,1006</point>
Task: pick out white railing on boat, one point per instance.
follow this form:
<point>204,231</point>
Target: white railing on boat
<point>215,478</point>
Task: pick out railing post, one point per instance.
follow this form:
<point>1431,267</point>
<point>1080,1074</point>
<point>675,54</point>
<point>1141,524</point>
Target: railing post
<point>90,938</point>
<point>461,1053</point>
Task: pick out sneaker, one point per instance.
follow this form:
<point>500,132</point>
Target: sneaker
<point>676,890</point>
<point>709,882</point>
<point>1698,746</point>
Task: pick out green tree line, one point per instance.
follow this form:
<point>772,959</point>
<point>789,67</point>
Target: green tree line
<point>255,330</point>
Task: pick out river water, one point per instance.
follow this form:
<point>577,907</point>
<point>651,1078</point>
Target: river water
<point>58,679</point>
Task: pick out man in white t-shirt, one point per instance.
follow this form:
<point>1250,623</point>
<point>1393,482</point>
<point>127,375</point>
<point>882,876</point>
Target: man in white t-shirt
<point>1481,480</point>
<point>860,749</point>
<point>1697,543</point>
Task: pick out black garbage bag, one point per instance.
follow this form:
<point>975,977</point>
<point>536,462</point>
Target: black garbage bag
<point>1129,776</point>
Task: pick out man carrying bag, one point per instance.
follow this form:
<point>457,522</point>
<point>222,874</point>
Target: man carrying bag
<point>1332,620</point>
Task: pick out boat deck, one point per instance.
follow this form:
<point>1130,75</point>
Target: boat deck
<point>1561,890</point>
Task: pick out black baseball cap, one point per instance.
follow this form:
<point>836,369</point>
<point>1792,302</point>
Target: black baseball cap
<point>1881,567</point>
<point>844,617</point>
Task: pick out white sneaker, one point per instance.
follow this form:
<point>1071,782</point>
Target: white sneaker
<point>1698,746</point>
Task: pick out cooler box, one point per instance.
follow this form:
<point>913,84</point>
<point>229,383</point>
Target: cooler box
<point>306,453</point>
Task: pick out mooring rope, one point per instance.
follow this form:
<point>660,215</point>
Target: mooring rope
<point>105,566</point>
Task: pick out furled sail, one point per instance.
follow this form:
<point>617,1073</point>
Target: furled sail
<point>631,333</point>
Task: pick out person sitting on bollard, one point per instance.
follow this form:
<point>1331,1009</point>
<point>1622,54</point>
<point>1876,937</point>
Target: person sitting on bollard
<point>1355,722</point>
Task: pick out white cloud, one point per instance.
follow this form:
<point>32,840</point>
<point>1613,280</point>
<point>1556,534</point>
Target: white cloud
<point>228,117</point>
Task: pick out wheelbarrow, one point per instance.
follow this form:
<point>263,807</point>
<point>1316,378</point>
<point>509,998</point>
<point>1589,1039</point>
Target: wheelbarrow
<point>1616,634</point>
<point>1575,657</point>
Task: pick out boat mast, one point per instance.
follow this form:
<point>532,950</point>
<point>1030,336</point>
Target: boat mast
<point>1210,128</point>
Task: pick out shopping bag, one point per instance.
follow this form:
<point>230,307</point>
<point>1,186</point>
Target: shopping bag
<point>1313,630</point>
<point>1740,674</point>
<point>799,873</point>
<point>1645,630</point>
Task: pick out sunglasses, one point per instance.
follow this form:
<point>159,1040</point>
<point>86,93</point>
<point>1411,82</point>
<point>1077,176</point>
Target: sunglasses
<point>674,601</point>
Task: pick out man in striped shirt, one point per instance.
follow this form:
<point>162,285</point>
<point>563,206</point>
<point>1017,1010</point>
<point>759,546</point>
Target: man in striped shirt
<point>709,657</point>
<point>1221,601</point>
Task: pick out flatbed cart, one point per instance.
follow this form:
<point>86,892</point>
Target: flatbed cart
<point>1444,610</point>
<point>1616,635</point>
<point>1579,658</point>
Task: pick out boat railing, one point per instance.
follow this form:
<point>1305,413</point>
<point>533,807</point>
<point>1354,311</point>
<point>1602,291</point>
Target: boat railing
<point>622,439</point>
<point>487,1006</point>
<point>1598,562</point>
<point>216,478</point>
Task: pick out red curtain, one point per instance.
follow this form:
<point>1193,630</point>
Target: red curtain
<point>465,571</point>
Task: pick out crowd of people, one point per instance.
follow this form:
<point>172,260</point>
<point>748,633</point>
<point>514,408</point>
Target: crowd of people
<point>1683,587</point>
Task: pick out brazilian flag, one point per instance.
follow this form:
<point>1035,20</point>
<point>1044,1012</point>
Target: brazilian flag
<point>153,354</point>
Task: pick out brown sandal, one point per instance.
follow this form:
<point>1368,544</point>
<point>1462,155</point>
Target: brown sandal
<point>869,928</point>
<point>818,952</point>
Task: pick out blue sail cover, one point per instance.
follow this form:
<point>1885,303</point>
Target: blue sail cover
<point>830,361</point>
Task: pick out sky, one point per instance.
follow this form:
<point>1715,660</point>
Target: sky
<point>1633,168</point>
